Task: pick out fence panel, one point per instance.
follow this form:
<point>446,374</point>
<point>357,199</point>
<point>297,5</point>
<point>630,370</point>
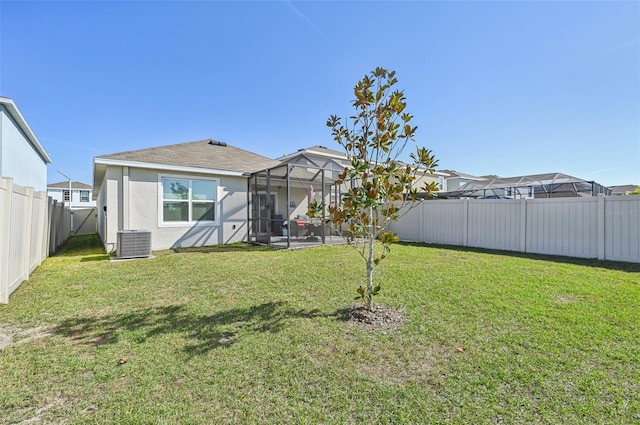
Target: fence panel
<point>494,224</point>
<point>443,222</point>
<point>563,226</point>
<point>38,220</point>
<point>595,227</point>
<point>18,251</point>
<point>26,227</point>
<point>410,229</point>
<point>622,228</point>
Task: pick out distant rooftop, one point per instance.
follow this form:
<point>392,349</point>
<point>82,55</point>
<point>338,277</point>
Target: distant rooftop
<point>538,184</point>
<point>622,189</point>
<point>316,150</point>
<point>454,173</point>
<point>65,185</point>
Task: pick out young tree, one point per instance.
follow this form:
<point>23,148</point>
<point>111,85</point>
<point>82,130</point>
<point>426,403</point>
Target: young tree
<point>378,187</point>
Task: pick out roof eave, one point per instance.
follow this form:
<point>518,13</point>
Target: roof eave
<point>165,167</point>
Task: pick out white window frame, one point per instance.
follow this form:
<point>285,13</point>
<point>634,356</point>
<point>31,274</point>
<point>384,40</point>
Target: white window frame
<point>190,178</point>
<point>88,196</point>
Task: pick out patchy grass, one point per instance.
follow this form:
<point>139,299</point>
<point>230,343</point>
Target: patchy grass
<point>247,335</point>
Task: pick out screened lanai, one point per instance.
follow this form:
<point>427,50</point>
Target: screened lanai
<point>550,185</point>
<point>279,197</point>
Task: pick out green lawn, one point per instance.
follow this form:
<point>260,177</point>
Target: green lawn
<point>250,335</point>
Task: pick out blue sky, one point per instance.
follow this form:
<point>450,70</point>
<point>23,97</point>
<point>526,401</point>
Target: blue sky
<point>507,88</point>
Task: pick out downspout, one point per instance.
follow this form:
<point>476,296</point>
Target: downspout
<point>126,213</point>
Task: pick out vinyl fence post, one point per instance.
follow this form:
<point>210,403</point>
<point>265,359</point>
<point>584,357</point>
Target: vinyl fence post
<point>6,189</point>
<point>422,219</point>
<point>465,222</point>
<point>49,227</point>
<point>523,225</point>
<point>28,229</point>
<point>600,216</point>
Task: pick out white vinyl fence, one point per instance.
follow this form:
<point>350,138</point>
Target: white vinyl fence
<point>32,227</point>
<point>606,228</point>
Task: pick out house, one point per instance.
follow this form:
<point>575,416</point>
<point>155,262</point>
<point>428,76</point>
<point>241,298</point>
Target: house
<point>622,189</point>
<point>207,193</point>
<point>80,196</point>
<point>455,179</point>
<point>547,185</point>
<point>186,195</point>
<point>333,159</point>
<point>22,157</point>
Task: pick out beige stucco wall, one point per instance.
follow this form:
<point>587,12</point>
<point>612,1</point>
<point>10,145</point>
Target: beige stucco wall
<point>131,196</point>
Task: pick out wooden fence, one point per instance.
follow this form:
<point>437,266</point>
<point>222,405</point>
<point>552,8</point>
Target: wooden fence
<point>32,227</point>
<point>606,228</point>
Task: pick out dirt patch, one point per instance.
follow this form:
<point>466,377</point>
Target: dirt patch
<point>39,415</point>
<point>424,368</point>
<point>380,317</point>
<point>12,335</point>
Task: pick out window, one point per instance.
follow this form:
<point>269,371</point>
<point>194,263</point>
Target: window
<point>188,201</point>
<point>84,196</point>
<point>65,195</point>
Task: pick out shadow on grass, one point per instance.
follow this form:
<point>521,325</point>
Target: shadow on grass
<point>198,334</point>
<point>103,257</point>
<point>235,247</point>
<point>81,245</point>
<point>609,265</point>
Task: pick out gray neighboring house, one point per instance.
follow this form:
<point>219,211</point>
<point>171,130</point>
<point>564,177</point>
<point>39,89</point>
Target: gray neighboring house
<point>622,189</point>
<point>187,195</point>
<point>22,157</point>
<point>456,179</point>
<point>330,158</point>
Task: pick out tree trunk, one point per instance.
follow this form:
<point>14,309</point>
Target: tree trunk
<point>370,267</point>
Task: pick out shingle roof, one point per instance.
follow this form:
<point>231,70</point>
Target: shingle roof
<point>318,150</point>
<point>207,154</point>
<point>454,173</point>
<point>621,189</point>
<point>65,185</point>
<point>325,150</point>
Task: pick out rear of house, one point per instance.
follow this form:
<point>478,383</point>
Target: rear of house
<point>186,195</point>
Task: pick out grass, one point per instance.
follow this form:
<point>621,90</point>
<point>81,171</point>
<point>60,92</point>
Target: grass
<point>247,335</point>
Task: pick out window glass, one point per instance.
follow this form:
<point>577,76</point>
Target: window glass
<point>203,190</point>
<point>84,196</point>
<point>203,211</point>
<point>175,211</point>
<point>175,189</point>
<point>188,201</point>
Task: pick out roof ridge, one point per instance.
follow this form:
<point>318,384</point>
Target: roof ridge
<point>158,147</point>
